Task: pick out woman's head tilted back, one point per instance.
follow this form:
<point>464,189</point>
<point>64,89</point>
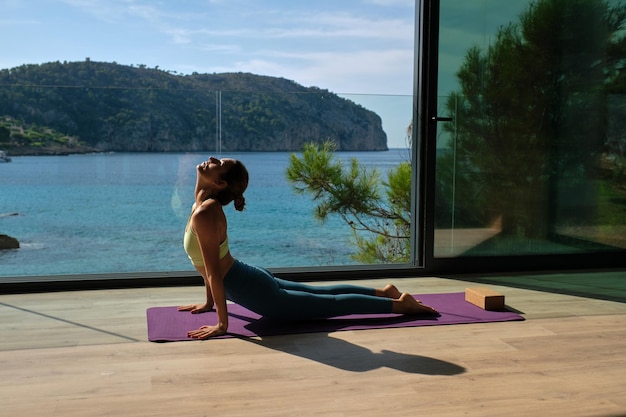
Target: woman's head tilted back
<point>224,180</point>
<point>236,177</point>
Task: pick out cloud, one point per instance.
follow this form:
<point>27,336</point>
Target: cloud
<point>349,52</point>
<point>345,25</point>
<point>105,11</point>
<point>341,27</point>
<point>386,72</point>
<point>131,11</point>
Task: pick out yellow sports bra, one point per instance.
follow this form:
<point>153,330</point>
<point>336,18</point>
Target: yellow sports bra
<point>192,247</point>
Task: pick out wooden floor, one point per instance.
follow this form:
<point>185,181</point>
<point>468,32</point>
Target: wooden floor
<point>85,354</point>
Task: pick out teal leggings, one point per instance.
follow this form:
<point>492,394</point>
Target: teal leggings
<point>261,292</point>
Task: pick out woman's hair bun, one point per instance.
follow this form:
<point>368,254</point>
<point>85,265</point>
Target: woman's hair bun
<point>239,202</point>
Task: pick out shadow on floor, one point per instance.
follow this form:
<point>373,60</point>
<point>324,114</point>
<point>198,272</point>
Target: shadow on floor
<point>341,354</point>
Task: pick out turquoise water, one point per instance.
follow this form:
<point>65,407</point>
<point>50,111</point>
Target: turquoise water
<point>102,213</point>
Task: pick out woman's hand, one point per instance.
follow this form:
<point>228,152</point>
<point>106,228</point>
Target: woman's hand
<point>197,308</point>
<point>206,332</point>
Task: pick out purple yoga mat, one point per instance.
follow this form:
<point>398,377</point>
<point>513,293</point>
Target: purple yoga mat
<point>167,324</point>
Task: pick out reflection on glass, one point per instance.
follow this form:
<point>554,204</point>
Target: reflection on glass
<point>124,210</point>
<point>532,161</point>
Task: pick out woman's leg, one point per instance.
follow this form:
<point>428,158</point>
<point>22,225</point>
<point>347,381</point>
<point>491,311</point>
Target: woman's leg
<point>299,305</point>
<point>334,289</point>
<point>389,291</point>
<point>321,289</point>
<point>258,290</point>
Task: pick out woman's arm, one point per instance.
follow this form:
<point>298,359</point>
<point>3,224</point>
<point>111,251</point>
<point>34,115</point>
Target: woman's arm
<point>209,223</point>
<point>208,305</point>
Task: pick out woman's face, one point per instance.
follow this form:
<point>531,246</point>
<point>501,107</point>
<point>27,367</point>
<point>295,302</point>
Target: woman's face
<point>214,169</point>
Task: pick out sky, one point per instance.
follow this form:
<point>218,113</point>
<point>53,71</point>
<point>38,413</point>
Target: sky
<point>362,50</point>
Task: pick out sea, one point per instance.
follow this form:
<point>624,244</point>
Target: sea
<point>126,213</point>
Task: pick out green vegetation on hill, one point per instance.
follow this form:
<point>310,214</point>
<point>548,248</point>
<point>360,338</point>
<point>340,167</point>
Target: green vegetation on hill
<point>111,107</point>
<point>18,137</point>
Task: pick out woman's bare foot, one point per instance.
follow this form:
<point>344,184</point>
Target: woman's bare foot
<point>390,291</point>
<point>406,304</point>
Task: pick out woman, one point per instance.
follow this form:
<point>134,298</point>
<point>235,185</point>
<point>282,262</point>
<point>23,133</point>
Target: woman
<point>206,242</point>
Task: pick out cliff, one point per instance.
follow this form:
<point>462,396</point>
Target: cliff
<point>95,106</point>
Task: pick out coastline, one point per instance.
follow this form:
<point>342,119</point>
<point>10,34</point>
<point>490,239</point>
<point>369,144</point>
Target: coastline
<point>85,150</point>
<point>49,151</point>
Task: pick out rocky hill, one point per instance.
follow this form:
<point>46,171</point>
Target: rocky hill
<point>109,107</point>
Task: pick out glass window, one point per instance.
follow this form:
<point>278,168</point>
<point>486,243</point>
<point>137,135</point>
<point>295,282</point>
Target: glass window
<point>107,106</point>
<point>532,159</point>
